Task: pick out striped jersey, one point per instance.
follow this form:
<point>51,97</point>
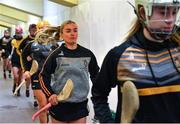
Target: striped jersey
<point>153,67</point>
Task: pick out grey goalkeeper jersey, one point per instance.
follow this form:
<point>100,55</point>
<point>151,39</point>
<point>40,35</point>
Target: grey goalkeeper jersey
<point>65,64</point>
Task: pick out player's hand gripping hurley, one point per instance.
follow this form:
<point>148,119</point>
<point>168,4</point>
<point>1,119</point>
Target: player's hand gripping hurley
<point>63,95</point>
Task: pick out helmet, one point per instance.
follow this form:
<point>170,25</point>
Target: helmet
<point>46,23</point>
<point>147,4</point>
<point>18,29</point>
<point>42,24</point>
<point>51,30</point>
<point>7,33</point>
<point>41,37</point>
<point>148,9</point>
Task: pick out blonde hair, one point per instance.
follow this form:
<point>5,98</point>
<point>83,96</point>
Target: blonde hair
<point>65,23</point>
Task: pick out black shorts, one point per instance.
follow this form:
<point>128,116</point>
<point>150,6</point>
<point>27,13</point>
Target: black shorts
<point>15,60</point>
<point>69,111</point>
<point>35,84</point>
<point>15,64</point>
<point>5,55</point>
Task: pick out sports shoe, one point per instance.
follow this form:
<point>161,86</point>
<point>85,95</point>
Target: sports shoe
<point>4,75</point>
<point>18,93</point>
<point>14,87</point>
<point>35,104</point>
<point>10,76</point>
<point>27,92</point>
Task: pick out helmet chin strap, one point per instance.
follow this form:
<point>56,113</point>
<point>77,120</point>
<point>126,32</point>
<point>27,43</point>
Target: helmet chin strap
<point>159,36</point>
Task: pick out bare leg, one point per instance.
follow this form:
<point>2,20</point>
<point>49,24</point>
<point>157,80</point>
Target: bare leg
<point>17,73</point>
<point>28,81</point>
<point>81,120</point>
<point>42,102</point>
<point>4,67</point>
<point>9,67</point>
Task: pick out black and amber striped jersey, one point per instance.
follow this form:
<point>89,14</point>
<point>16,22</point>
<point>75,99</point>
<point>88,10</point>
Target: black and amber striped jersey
<point>15,43</point>
<point>4,46</point>
<point>154,67</point>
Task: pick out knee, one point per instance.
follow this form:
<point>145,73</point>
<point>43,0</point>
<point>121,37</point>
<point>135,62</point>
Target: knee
<point>42,103</point>
<point>16,77</point>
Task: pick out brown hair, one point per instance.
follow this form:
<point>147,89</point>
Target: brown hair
<point>134,28</point>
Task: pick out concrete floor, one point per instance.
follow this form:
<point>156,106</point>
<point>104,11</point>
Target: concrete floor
<point>15,109</point>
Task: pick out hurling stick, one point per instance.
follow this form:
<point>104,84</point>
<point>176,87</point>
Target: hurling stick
<point>63,95</point>
<point>130,102</point>
<point>34,68</point>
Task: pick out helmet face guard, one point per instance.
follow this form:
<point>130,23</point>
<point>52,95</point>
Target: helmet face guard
<point>41,38</point>
<point>159,12</point>
<point>47,35</point>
